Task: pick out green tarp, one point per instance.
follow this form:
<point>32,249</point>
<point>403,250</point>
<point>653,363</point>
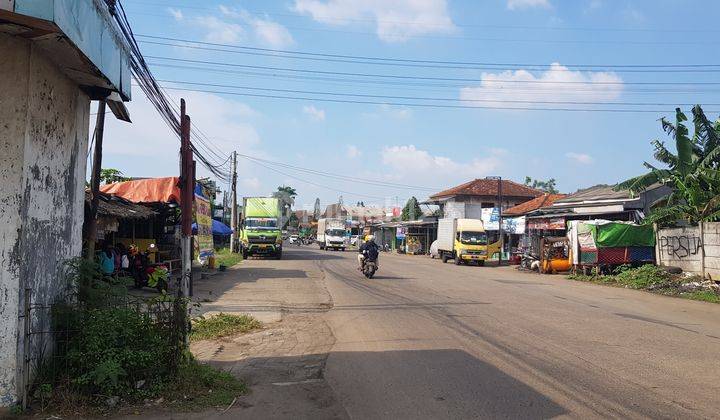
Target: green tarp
<point>623,234</point>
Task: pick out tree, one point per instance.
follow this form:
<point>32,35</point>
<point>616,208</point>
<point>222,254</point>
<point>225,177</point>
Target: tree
<point>286,195</point>
<point>316,209</point>
<point>547,186</point>
<point>693,172</point>
<point>412,210</point>
<point>109,176</point>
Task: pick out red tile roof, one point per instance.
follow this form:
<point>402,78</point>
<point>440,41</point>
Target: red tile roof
<point>489,188</point>
<point>534,204</point>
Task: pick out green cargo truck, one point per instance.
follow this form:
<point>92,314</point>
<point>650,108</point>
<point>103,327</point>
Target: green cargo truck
<point>261,231</point>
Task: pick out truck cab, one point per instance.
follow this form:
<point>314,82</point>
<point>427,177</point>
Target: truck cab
<point>261,234</point>
<point>464,240</point>
<point>335,239</point>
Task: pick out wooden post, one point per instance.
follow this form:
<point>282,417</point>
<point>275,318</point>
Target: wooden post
<point>702,249</point>
<point>95,180</point>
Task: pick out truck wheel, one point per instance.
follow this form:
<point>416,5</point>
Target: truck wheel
<point>458,260</point>
<point>444,258</point>
<point>278,254</point>
<point>322,247</point>
<point>481,263</point>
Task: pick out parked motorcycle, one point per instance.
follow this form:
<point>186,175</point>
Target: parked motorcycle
<point>529,262</point>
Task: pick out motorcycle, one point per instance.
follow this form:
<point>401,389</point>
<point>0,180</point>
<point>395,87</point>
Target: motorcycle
<point>529,262</point>
<point>369,265</point>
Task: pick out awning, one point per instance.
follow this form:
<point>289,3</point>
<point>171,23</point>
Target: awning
<point>218,228</point>
<point>150,190</point>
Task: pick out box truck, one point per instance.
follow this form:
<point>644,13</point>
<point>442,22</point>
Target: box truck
<point>331,234</point>
<point>464,240</point>
<point>261,234</point>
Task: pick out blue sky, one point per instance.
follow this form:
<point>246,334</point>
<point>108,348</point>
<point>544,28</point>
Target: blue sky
<point>420,146</point>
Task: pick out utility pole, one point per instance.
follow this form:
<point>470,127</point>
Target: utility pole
<point>187,189</point>
<point>500,221</point>
<point>95,180</point>
<point>233,199</point>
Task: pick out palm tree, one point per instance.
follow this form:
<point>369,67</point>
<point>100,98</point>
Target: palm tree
<point>693,173</point>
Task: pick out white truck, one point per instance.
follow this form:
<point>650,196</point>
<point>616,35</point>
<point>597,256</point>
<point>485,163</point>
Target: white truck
<point>464,240</point>
<point>331,234</point>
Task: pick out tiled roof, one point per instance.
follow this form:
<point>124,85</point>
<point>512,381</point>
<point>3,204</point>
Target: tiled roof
<point>489,188</point>
<point>534,204</point>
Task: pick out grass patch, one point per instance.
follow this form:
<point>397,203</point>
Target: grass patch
<point>200,386</point>
<point>227,258</point>
<point>650,278</point>
<point>703,295</point>
<point>222,325</point>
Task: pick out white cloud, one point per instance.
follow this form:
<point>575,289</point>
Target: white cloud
<point>220,31</point>
<point>527,4</point>
<point>264,30</point>
<point>250,183</point>
<point>420,167</point>
<point>353,151</point>
<point>388,111</point>
<point>176,13</point>
<point>395,21</point>
<point>583,158</point>
<point>557,84</point>
<point>272,33</point>
<point>314,113</point>
<point>228,124</point>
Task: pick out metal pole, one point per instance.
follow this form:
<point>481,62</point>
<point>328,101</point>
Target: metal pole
<point>233,199</point>
<point>95,180</point>
<point>500,221</point>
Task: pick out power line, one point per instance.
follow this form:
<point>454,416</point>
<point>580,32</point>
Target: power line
<point>342,58</point>
<point>316,184</point>
<point>425,85</point>
<point>422,105</point>
<point>421,98</point>
<point>432,78</point>
<point>340,177</point>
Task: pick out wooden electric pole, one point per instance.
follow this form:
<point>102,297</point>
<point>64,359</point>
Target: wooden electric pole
<point>95,180</point>
<point>233,199</point>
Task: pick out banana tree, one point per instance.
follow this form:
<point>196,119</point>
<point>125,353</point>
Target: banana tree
<point>693,172</point>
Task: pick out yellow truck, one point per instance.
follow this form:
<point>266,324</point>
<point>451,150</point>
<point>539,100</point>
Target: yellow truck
<point>464,240</point>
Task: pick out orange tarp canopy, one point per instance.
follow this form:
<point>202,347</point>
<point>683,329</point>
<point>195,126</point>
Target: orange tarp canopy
<point>151,190</point>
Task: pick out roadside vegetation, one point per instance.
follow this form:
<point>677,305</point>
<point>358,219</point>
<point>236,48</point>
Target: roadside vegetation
<point>657,280</point>
<point>222,325</point>
<point>226,258</point>
<point>116,353</point>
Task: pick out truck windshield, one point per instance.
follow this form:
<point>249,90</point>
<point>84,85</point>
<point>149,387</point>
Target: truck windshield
<point>473,238</point>
<point>261,223</point>
<point>335,232</point>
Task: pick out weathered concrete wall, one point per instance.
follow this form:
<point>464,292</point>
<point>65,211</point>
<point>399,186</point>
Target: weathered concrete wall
<point>43,156</point>
<point>690,249</point>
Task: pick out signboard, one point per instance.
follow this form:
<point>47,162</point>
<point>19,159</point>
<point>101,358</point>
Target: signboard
<point>511,225</point>
<point>552,223</point>
<point>401,232</point>
<point>203,238</point>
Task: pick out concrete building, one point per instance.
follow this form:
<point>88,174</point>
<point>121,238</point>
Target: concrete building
<point>57,56</point>
<point>467,200</point>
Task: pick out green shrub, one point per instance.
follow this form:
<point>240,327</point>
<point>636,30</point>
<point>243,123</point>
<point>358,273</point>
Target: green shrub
<point>642,277</point>
<point>115,349</point>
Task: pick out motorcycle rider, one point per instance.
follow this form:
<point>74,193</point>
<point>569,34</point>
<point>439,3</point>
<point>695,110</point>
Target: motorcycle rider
<point>372,249</point>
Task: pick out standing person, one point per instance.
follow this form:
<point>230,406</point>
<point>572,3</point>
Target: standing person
<point>372,250</point>
<point>107,259</point>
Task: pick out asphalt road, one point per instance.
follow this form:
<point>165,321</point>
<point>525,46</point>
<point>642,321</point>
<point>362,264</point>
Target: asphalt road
<point>430,340</point>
